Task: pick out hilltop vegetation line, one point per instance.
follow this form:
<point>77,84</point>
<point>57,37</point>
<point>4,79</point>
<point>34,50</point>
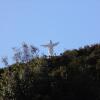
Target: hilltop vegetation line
<point>72,75</point>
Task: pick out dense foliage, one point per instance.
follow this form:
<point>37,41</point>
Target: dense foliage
<point>73,75</point>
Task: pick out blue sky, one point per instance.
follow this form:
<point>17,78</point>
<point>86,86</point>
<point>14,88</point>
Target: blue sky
<point>74,23</point>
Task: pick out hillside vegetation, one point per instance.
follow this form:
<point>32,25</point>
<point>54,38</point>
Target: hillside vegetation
<point>73,75</point>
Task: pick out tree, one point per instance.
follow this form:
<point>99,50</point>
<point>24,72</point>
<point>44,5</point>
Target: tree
<point>5,61</point>
<point>17,55</point>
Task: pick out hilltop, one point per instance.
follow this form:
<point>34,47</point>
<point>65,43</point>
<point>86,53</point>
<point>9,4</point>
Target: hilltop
<point>73,75</point>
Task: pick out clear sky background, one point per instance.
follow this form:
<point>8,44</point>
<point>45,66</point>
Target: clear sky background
<point>74,23</point>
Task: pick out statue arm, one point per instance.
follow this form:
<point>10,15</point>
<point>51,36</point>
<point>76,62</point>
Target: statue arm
<point>55,44</point>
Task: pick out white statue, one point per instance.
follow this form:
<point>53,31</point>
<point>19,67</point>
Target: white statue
<point>50,47</point>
